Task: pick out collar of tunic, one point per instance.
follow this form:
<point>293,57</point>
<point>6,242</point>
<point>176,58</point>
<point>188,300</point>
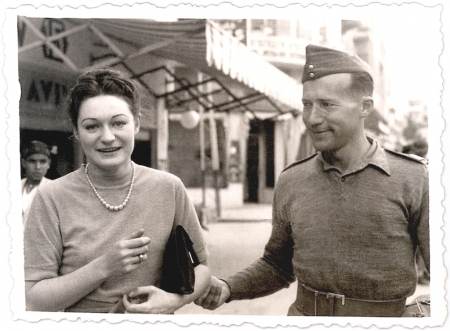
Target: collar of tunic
<point>375,156</point>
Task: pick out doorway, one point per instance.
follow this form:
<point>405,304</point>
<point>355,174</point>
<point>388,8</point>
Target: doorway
<point>260,169</point>
<point>252,178</point>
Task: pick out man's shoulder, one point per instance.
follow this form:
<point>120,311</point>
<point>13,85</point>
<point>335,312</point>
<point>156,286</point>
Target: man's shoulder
<point>407,157</point>
<point>301,162</point>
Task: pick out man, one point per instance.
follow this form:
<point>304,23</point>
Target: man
<point>348,219</point>
<point>36,162</point>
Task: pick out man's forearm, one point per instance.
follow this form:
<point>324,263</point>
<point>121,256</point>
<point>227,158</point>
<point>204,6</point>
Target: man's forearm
<point>257,280</point>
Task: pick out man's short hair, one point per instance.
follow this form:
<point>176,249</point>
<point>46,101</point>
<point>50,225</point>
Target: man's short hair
<point>362,84</point>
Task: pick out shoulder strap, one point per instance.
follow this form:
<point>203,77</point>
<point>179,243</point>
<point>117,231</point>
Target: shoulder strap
<point>300,161</point>
<point>412,157</point>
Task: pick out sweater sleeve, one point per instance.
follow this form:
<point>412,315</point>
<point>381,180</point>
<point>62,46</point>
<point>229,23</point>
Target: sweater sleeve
<point>274,270</point>
<point>420,218</point>
<point>42,240</point>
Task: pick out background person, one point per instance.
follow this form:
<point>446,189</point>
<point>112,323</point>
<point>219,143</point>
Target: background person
<point>347,220</point>
<point>97,236</point>
<point>35,161</point>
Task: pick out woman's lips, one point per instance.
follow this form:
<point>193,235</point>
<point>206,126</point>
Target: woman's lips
<point>108,150</point>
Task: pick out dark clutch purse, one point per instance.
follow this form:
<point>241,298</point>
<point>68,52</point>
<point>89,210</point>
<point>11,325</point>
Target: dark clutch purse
<point>179,262</point>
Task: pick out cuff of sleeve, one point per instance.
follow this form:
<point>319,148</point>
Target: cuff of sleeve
<point>229,287</point>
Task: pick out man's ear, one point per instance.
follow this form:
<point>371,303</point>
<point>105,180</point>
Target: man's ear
<point>366,107</point>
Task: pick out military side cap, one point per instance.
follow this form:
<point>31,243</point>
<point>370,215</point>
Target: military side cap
<point>35,147</point>
<point>323,61</point>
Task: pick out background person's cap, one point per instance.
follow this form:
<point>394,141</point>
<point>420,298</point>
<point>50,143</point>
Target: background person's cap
<point>35,147</point>
<point>323,61</point>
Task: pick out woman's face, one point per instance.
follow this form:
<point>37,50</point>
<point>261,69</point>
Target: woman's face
<point>106,129</point>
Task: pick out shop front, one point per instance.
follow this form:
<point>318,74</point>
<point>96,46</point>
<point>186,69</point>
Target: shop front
<point>241,101</point>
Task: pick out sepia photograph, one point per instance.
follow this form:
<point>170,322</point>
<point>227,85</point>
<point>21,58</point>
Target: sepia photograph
<point>186,165</point>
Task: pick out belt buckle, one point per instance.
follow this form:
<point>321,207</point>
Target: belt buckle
<point>328,296</point>
<point>339,296</point>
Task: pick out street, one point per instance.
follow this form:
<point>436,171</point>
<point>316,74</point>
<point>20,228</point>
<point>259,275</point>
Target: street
<point>232,247</point>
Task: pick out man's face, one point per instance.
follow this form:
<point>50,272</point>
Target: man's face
<point>36,166</point>
<point>331,113</point>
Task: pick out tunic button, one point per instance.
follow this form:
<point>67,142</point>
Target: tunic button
<point>342,179</point>
<point>311,67</point>
<point>311,75</point>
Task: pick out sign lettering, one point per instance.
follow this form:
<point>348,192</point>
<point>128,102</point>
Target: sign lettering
<point>100,52</point>
<point>50,27</point>
<point>46,91</point>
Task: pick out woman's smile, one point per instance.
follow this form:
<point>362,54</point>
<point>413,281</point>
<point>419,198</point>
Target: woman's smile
<point>109,149</point>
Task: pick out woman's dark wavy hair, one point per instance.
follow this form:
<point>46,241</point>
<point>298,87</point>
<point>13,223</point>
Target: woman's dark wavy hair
<point>102,82</point>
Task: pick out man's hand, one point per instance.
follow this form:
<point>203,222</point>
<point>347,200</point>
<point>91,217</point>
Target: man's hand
<point>215,295</point>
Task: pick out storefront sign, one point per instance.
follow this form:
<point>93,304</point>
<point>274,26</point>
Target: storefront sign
<point>279,49</point>
<point>46,91</point>
<point>43,93</point>
<point>82,48</point>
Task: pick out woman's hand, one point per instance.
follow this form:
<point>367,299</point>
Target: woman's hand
<point>127,254</point>
<point>151,300</point>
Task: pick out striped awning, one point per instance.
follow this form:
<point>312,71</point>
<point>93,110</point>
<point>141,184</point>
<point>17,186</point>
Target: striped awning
<point>196,43</point>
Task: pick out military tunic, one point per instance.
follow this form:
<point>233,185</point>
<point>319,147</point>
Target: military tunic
<point>354,234</point>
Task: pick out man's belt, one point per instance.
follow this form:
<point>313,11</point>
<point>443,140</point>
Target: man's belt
<point>316,303</point>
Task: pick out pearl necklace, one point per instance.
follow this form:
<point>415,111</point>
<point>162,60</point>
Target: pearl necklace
<point>104,203</point>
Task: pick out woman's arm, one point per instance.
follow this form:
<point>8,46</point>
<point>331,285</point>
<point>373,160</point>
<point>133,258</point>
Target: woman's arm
<point>58,293</point>
<point>161,302</point>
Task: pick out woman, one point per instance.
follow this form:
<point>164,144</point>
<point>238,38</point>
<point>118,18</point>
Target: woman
<point>96,236</point>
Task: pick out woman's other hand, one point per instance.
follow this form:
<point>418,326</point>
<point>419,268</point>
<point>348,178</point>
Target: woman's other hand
<point>151,300</point>
<point>127,254</point>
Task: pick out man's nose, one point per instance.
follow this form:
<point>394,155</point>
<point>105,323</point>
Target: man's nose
<point>315,116</point>
<point>107,135</point>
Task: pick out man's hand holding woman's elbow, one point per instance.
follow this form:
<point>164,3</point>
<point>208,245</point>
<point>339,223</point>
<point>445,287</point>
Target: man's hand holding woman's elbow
<point>215,295</point>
